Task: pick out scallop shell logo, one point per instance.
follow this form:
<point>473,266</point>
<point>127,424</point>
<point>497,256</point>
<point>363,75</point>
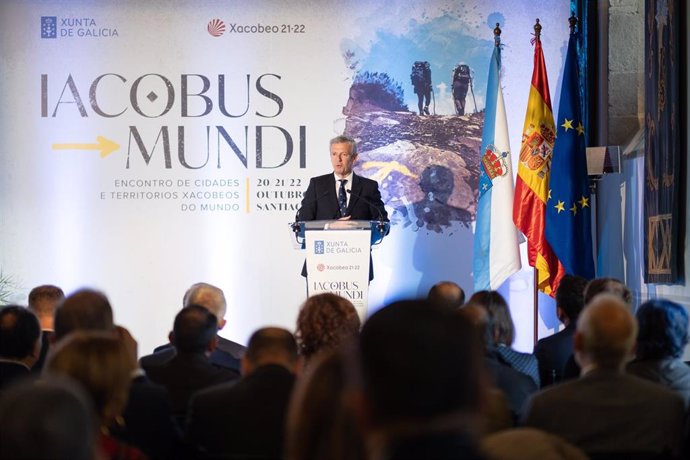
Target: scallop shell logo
<point>320,267</point>
<point>216,27</point>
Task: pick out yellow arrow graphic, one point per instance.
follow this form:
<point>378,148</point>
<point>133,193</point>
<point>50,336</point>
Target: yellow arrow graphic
<point>106,146</point>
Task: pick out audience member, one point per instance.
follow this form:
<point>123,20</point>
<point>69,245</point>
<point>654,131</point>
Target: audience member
<point>227,353</point>
<point>610,286</point>
<point>661,339</point>
<point>421,383</point>
<point>448,294</point>
<point>45,420</point>
<point>190,370</point>
<point>325,321</point>
<point>43,301</point>
<point>597,286</point>
<point>246,419</point>
<point>503,330</point>
<point>148,415</point>
<point>20,343</point>
<point>529,444</point>
<point>606,411</point>
<point>320,425</point>
<point>552,352</point>
<point>103,366</point>
<point>512,388</point>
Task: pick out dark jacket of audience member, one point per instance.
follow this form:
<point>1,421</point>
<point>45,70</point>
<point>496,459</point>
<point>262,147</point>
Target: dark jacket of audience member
<point>421,373</point>
<point>552,352</point>
<point>227,353</point>
<point>514,385</point>
<point>662,337</point>
<point>194,338</point>
<point>246,419</point>
<point>43,301</point>
<point>597,286</point>
<point>606,411</point>
<point>503,334</point>
<point>20,343</point>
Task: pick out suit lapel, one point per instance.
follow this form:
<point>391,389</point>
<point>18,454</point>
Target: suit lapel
<point>355,192</point>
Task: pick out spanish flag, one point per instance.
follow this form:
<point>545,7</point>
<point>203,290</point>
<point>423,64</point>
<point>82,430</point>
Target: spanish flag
<point>532,183</point>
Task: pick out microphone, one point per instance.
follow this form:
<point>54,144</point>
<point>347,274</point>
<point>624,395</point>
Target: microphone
<point>295,225</point>
<point>381,226</point>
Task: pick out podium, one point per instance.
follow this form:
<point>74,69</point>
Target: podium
<point>339,257</point>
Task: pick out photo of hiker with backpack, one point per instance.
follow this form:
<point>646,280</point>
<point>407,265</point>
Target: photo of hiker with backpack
<point>461,82</point>
<point>421,81</point>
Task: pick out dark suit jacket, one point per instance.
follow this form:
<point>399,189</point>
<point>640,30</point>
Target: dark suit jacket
<point>552,353</point>
<point>184,374</point>
<point>149,423</point>
<point>243,419</point>
<point>517,387</point>
<point>11,371</point>
<point>227,354</point>
<point>609,411</point>
<point>320,202</point>
<point>45,345</point>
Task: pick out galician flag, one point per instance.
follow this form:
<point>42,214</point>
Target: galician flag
<point>496,251</point>
<point>534,168</point>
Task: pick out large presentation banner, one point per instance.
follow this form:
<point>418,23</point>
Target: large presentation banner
<point>150,145</point>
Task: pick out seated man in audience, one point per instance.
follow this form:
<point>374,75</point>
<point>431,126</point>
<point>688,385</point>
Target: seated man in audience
<point>606,411</point>
<point>148,415</point>
<point>20,343</point>
<point>228,353</point>
<point>420,389</point>
<point>189,370</point>
<point>552,352</point>
<point>661,341</point>
<point>42,301</point>
<point>246,419</point>
<point>513,386</point>
<point>597,286</point>
<point>447,293</point>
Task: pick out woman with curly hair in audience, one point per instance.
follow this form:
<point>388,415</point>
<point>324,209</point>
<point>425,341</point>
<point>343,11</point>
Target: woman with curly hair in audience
<point>324,322</point>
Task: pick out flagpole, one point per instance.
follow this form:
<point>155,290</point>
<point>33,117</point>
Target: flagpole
<point>535,293</point>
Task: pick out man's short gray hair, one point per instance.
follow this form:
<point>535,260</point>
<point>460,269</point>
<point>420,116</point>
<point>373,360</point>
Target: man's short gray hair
<point>208,296</point>
<point>342,139</point>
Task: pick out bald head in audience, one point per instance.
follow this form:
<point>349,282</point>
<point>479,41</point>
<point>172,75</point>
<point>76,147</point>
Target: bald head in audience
<point>606,332</point>
<point>270,345</point>
<point>447,294</point>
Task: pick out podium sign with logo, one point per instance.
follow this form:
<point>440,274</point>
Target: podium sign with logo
<point>338,257</point>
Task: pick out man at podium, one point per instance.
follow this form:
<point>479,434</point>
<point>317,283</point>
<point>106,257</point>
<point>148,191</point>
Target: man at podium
<point>342,194</point>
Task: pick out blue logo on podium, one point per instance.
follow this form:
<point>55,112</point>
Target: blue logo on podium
<point>48,26</point>
<point>319,247</point>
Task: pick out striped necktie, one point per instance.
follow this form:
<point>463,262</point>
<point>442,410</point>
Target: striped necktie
<point>342,198</point>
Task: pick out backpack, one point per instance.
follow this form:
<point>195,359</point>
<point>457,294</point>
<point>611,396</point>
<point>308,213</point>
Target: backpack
<point>462,73</point>
<point>421,73</point>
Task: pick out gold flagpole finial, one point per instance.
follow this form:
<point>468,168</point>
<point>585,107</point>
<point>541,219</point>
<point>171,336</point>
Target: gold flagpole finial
<point>572,20</point>
<point>537,30</point>
<point>497,34</point>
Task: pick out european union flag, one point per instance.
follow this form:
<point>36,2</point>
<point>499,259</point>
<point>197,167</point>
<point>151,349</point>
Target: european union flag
<point>569,206</point>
